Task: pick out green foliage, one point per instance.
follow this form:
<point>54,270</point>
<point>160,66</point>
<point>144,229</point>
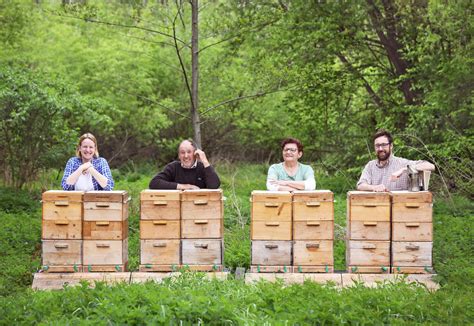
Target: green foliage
<point>190,298</point>
<point>16,201</point>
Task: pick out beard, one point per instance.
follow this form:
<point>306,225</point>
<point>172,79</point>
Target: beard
<point>383,154</point>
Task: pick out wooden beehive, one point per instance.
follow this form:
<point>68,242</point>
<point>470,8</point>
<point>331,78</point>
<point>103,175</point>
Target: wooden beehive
<point>202,214</point>
<point>313,231</point>
<point>105,231</point>
<point>160,230</point>
<point>62,231</point>
<point>412,232</point>
<point>368,232</point>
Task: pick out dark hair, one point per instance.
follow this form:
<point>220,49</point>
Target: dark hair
<point>292,141</point>
<point>382,133</point>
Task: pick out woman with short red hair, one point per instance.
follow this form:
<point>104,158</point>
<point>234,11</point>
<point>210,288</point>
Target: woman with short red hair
<point>290,175</point>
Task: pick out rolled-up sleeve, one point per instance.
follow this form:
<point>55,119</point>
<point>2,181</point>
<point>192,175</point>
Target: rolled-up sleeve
<point>272,176</point>
<point>104,169</point>
<point>309,181</point>
<point>71,166</point>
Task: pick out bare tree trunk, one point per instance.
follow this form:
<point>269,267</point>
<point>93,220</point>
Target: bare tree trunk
<point>195,74</point>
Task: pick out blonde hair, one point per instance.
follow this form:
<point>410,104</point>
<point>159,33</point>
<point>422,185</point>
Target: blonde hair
<point>87,136</point>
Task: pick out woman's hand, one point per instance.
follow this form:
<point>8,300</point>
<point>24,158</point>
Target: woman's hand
<point>84,168</point>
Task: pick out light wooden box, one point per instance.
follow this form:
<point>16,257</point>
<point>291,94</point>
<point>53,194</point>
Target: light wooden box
<point>202,214</point>
<point>159,255</point>
<point>271,215</point>
<point>271,253</point>
<point>202,251</point>
<point>412,232</point>
<point>313,253</point>
<point>105,255</point>
<point>160,205</point>
<point>313,215</point>
<point>62,255</point>
<point>368,256</point>
<point>62,214</point>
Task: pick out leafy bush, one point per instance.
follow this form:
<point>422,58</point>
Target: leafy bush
<point>15,201</point>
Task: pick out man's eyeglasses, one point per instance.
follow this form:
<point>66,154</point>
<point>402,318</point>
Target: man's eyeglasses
<point>382,145</point>
<point>292,150</point>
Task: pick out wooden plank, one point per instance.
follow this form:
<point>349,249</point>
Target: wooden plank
<point>412,231</point>
<point>360,269</point>
<point>370,212</point>
<point>365,198</point>
<point>147,268</point>
<point>62,211</point>
<point>141,277</point>
<point>49,281</point>
<point>309,230</point>
<point>201,210</point>
<point>160,229</point>
<point>105,268</point>
<point>62,228</point>
<point>271,253</point>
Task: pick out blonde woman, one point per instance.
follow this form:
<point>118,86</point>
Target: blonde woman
<point>87,171</point>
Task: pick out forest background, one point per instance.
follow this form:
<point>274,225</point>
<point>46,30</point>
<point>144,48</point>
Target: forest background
<point>327,72</point>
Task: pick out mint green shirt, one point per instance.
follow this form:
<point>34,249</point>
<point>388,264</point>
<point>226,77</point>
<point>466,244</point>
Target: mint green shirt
<point>304,173</point>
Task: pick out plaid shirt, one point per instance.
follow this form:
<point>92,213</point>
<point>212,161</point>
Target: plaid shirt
<point>375,174</point>
<point>100,164</point>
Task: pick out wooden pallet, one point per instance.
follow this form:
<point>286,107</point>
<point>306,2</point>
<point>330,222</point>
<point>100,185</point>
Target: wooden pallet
<point>345,279</point>
<point>313,269</point>
<point>57,281</point>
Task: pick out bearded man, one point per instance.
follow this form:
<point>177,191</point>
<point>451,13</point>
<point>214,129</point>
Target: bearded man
<point>388,172</point>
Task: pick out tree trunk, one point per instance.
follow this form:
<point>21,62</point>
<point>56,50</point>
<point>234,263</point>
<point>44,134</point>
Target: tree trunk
<point>195,74</point>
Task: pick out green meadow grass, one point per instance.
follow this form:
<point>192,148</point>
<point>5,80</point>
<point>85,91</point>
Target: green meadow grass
<point>192,299</point>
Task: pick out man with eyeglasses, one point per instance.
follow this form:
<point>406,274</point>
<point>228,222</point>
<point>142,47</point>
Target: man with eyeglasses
<point>388,172</point>
<point>192,171</point>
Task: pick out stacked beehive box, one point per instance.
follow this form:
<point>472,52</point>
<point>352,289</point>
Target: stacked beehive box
<point>202,229</point>
<point>368,232</point>
<point>160,230</point>
<point>412,232</point>
<point>313,231</point>
<point>271,231</point>
<point>62,231</point>
<point>105,231</point>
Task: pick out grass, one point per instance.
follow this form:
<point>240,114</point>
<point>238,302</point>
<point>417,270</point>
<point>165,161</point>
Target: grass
<point>191,299</point>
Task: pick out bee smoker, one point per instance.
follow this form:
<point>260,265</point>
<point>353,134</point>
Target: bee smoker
<point>414,180</point>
